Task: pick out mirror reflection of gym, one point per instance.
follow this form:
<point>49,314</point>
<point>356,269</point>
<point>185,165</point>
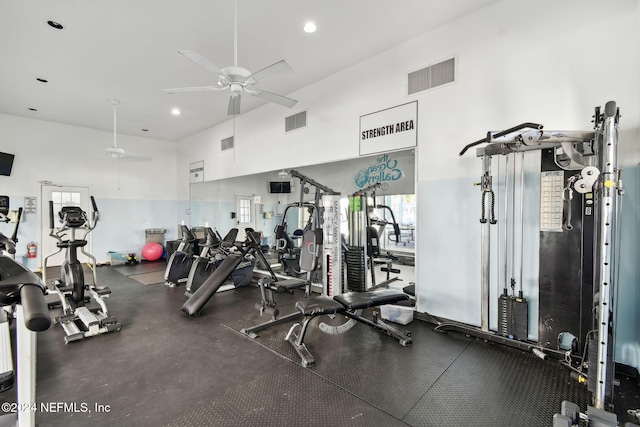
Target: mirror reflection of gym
<point>213,202</point>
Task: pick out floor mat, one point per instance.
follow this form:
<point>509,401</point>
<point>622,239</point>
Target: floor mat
<point>362,359</point>
<point>287,396</point>
<point>493,385</point>
<point>441,379</point>
<point>142,267</point>
<point>153,278</point>
<point>184,370</point>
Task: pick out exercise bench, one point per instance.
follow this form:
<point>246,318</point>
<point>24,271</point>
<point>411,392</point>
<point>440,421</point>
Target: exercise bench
<point>347,304</point>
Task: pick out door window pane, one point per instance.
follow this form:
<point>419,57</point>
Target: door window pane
<point>245,211</point>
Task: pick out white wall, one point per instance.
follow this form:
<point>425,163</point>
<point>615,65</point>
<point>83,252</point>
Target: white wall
<point>552,64</point>
<point>131,195</point>
<point>518,61</point>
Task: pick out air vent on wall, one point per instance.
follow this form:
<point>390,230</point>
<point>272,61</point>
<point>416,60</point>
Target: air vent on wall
<point>226,144</point>
<point>431,76</point>
<point>296,121</point>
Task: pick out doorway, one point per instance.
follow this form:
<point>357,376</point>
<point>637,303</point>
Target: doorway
<point>245,214</point>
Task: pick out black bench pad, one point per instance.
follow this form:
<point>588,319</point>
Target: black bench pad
<point>349,301</point>
<point>288,284</point>
<point>318,305</point>
<point>374,298</point>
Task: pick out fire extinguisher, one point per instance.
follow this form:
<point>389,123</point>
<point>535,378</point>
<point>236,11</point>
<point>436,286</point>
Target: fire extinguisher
<point>32,250</point>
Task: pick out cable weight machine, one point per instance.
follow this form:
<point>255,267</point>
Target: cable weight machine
<point>319,243</point>
<point>595,232</point>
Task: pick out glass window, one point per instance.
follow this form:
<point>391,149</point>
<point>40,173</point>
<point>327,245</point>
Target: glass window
<point>245,211</point>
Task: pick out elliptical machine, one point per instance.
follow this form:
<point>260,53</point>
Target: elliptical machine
<point>180,261</point>
<point>78,319</point>
<point>213,252</point>
<point>22,299</point>
<point>237,266</point>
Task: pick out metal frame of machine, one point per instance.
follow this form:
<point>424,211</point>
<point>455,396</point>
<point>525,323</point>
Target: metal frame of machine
<point>600,176</point>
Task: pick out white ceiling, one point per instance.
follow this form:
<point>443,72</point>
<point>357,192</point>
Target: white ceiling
<point>127,50</point>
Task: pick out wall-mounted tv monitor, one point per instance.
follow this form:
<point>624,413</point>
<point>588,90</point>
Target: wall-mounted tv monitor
<point>6,163</point>
<point>279,187</point>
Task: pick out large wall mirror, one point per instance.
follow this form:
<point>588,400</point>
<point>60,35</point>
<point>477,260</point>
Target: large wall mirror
<point>260,201</point>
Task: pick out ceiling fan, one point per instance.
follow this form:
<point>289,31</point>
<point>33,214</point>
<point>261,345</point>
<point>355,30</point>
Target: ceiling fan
<point>236,78</point>
<point>118,152</point>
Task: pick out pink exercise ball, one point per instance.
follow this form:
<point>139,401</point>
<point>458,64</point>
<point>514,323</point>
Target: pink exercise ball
<point>152,251</point>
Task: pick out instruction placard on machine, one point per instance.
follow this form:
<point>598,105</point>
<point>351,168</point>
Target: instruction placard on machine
<point>551,186</point>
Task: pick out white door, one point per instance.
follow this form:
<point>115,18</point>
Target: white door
<point>245,214</point>
<point>61,196</point>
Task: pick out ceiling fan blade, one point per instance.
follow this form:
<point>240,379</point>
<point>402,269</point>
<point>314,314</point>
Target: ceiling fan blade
<point>121,154</point>
<point>198,59</point>
<point>273,97</point>
<point>234,104</point>
<point>278,67</point>
<point>193,89</point>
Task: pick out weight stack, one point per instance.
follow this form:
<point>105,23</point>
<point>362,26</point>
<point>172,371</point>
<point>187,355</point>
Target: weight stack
<point>504,314</point>
<point>513,317</point>
<point>356,269</point>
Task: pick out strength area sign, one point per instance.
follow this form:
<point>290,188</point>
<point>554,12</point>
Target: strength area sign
<point>392,129</point>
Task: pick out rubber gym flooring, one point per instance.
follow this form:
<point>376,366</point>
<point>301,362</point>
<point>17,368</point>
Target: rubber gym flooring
<point>167,369</point>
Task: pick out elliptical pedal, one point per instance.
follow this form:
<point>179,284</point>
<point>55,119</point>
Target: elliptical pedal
<point>69,317</point>
<point>109,320</point>
<point>103,291</point>
<point>87,317</point>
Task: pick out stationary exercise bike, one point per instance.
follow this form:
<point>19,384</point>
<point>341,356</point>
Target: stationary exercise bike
<point>22,301</point>
<point>80,319</point>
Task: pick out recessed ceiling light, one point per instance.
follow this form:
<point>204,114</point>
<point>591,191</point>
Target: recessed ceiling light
<point>33,109</point>
<point>310,27</point>
<point>175,112</point>
<point>41,80</point>
<point>55,25</point>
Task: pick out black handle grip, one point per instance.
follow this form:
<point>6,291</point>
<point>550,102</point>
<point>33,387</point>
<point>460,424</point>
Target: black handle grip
<point>93,204</point>
<point>14,237</point>
<point>51,214</point>
<point>34,306</point>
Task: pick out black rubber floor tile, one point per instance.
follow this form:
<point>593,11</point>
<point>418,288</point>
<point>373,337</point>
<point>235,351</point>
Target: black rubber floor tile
<point>287,396</point>
<point>492,385</point>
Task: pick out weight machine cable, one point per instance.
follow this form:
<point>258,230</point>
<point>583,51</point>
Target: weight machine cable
<point>521,219</point>
<point>506,225</point>
<point>498,231</point>
<point>513,227</point>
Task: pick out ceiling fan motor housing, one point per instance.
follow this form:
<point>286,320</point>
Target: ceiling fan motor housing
<point>236,89</point>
